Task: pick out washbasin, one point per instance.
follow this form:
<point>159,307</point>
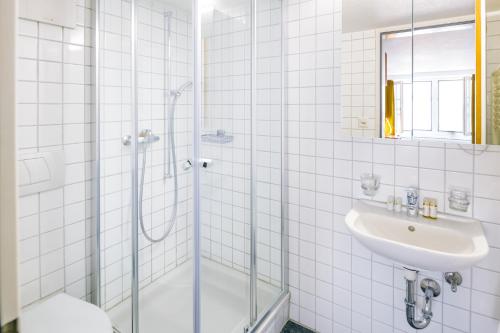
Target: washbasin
<point>448,244</point>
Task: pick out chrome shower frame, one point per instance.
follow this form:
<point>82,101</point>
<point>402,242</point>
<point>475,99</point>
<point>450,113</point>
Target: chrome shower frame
<point>96,167</point>
<point>167,98</point>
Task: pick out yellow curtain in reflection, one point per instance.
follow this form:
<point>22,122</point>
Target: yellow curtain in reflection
<point>495,108</point>
<point>390,110</point>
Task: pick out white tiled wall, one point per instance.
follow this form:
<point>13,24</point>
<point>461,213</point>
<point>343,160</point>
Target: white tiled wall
<point>53,114</point>
<point>338,285</point>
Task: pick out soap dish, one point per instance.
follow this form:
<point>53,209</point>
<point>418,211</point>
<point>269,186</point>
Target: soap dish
<point>219,137</point>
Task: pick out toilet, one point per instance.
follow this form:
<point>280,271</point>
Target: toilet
<point>63,314</point>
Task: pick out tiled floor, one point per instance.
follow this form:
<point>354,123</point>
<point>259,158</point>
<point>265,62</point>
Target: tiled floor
<point>292,327</point>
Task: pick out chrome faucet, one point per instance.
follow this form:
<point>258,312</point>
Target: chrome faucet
<point>412,201</point>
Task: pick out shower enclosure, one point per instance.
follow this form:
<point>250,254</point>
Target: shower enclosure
<point>189,154</point>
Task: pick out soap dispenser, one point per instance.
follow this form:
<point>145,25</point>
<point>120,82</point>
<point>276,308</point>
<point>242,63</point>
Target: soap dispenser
<point>412,201</point>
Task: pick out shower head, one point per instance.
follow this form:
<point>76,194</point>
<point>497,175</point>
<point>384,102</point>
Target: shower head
<point>181,89</point>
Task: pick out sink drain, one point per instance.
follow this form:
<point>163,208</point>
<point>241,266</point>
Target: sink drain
<point>411,228</point>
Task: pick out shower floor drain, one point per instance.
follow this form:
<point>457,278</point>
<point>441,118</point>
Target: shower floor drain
<point>292,327</point>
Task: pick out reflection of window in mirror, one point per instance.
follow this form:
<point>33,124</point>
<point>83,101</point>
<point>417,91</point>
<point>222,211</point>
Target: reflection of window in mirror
<point>438,104</point>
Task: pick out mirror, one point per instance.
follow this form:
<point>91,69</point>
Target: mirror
<point>364,22</point>
<point>444,70</point>
<point>409,71</point>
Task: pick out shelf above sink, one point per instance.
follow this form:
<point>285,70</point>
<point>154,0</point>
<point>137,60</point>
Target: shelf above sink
<point>447,244</point>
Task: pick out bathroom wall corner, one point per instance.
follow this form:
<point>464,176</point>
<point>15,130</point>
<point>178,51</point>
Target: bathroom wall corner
<point>9,301</point>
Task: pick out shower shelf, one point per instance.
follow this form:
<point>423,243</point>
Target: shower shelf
<point>218,137</point>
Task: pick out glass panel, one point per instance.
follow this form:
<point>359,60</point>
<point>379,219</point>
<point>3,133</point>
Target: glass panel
<point>164,106</point>
<point>376,55</point>
<point>268,143</point>
<point>444,53</point>
<point>451,105</point>
<point>422,115</point>
<point>225,181</point>
<point>163,65</point>
<point>115,92</point>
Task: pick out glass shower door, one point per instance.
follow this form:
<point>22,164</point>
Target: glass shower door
<point>267,133</point>
<point>164,106</point>
<point>144,112</point>
<point>225,185</point>
<point>113,168</point>
<point>241,147</point>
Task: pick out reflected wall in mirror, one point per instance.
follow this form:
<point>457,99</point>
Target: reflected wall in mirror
<point>492,72</point>
<point>363,23</point>
<point>409,71</point>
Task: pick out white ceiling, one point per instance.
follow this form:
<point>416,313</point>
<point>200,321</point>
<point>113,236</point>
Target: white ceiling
<point>446,51</point>
<point>359,15</point>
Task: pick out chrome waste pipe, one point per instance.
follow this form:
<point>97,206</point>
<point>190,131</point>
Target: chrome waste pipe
<point>430,288</point>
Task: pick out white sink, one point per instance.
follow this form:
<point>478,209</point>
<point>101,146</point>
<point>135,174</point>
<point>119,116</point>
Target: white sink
<point>447,244</point>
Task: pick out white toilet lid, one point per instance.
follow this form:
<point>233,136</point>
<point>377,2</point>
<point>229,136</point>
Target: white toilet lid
<point>63,314</point>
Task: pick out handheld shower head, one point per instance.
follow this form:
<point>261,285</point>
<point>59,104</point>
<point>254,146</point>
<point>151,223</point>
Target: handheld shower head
<point>181,89</point>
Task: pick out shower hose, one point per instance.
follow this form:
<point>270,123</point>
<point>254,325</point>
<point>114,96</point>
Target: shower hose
<point>173,214</point>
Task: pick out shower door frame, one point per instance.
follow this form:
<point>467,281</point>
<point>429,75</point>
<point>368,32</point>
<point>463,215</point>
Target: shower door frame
<point>197,98</point>
<point>96,169</point>
<point>256,319</point>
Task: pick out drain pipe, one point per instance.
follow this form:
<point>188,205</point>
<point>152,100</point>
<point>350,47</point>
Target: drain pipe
<point>430,288</point>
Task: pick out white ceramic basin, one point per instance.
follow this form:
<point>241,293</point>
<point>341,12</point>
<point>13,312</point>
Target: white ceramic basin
<point>447,244</point>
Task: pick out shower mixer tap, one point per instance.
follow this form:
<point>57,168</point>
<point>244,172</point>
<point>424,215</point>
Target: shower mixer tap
<point>146,136</point>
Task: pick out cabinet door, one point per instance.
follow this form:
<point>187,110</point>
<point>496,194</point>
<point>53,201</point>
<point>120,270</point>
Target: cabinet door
<point>444,70</point>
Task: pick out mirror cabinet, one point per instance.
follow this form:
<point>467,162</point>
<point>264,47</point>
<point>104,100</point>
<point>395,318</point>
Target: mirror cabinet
<point>421,70</point>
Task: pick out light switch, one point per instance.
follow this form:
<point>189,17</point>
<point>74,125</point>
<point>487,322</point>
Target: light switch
<point>362,123</point>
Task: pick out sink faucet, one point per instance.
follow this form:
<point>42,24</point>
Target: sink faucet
<point>412,202</point>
